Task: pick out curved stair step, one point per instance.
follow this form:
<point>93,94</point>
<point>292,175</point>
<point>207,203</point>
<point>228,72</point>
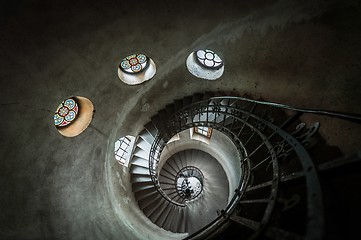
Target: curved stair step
<point>174,224</point>
<point>177,162</point>
<point>169,169</point>
<point>139,186</point>
<point>140,178</point>
<point>140,153</point>
<point>158,122</point>
<point>146,136</point>
<point>152,207</point>
<point>166,179</point>
<point>164,215</point>
<point>154,217</point>
<point>145,193</point>
<point>151,129</point>
<point>149,199</point>
<point>144,145</point>
<point>139,170</point>
<point>138,161</point>
<point>172,215</point>
<point>167,174</point>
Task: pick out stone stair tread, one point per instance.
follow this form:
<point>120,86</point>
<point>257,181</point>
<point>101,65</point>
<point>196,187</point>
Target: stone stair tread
<point>149,199</point>
<point>140,161</point>
<point>145,193</point>
<point>137,188</point>
<point>150,128</point>
<point>139,170</point>
<point>140,178</point>
<point>144,145</point>
<point>146,136</point>
<point>140,153</point>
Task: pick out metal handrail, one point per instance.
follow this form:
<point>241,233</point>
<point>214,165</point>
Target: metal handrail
<point>153,166</point>
<point>185,118</point>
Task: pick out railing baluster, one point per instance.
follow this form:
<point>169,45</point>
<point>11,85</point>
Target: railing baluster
<point>246,117</point>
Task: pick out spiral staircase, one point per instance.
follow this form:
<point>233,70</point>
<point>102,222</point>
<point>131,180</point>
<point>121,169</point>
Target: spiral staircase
<point>279,194</point>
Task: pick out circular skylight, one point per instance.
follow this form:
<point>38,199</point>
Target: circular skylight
<point>73,115</point>
<point>208,59</point>
<point>134,63</point>
<point>136,68</point>
<point>205,64</point>
<point>66,112</point>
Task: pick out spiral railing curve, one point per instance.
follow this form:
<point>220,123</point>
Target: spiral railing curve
<point>264,142</point>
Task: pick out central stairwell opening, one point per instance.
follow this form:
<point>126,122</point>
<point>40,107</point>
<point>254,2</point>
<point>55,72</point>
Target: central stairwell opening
<point>192,176</point>
<point>253,173</point>
<point>229,174</point>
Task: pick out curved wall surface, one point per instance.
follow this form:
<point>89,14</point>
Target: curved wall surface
<point>301,53</point>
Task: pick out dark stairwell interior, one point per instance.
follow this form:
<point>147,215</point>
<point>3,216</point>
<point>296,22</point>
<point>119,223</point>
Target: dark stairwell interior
<point>304,54</point>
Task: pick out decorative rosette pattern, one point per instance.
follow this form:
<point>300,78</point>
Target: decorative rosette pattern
<point>66,112</point>
<point>134,63</point>
<point>208,59</point>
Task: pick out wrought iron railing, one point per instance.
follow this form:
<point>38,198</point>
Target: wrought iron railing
<point>265,145</point>
<point>189,183</point>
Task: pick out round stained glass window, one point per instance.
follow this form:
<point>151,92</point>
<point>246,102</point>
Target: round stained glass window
<point>66,112</point>
<point>205,64</point>
<point>134,63</point>
<point>208,59</point>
